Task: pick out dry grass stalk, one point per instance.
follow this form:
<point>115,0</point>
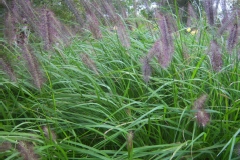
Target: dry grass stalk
<point>89,63</point>
<point>26,151</point>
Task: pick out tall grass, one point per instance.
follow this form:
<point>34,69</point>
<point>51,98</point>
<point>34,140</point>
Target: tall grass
<point>95,102</point>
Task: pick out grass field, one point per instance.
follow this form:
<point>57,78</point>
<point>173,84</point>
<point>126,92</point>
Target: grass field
<point>95,100</point>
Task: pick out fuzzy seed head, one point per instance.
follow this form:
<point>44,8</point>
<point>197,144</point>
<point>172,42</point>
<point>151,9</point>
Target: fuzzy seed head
<point>10,31</point>
<point>122,33</point>
<point>199,103</point>
<point>202,117</point>
<point>109,9</point>
<point>33,66</point>
<point>146,69</point>
<point>208,5</point>
<point>89,63</point>
<point>6,66</point>
<point>5,146</point>
<point>165,55</point>
<point>233,38</point>
<point>216,56</point>
<point>71,5</point>
<point>50,28</point>
<point>167,47</point>
<point>130,136</point>
<point>226,23</point>
<point>26,151</point>
<point>155,50</point>
<point>49,133</point>
<point>94,25</point>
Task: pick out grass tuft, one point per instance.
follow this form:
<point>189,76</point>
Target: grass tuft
<point>163,94</point>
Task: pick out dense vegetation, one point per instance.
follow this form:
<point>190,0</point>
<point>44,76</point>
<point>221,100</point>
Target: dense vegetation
<point>119,86</point>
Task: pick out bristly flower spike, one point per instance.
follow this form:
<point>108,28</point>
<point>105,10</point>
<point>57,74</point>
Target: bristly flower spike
<point>26,151</point>
<point>92,21</point>
<point>33,66</point>
<point>233,37</point>
<point>49,133</point>
<point>201,115</point>
<point>166,42</point>
<point>208,5</point>
<point>216,56</point>
<point>122,33</point>
<point>5,146</point>
<point>191,15</point>
<point>89,63</point>
<point>199,103</point>
<point>6,66</point>
<point>130,137</point>
<point>146,69</point>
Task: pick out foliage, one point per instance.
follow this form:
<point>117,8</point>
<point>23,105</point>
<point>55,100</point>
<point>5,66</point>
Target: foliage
<point>95,103</point>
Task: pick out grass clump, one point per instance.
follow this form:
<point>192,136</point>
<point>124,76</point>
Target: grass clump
<point>150,94</point>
